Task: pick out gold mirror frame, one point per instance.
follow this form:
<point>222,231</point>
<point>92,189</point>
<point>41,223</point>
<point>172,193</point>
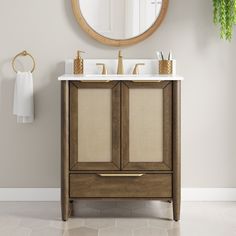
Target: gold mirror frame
<point>118,42</point>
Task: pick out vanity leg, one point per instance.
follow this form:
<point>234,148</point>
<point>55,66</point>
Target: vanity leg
<point>65,201</point>
<point>176,149</point>
<point>66,209</point>
<point>176,210</point>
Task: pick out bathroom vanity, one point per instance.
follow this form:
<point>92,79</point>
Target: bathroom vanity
<point>120,138</point>
<point>120,134</point>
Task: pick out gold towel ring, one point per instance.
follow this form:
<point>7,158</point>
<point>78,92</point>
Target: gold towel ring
<point>24,53</point>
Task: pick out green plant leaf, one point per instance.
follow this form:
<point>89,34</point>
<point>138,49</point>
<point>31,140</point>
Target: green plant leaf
<point>216,11</point>
<point>234,11</point>
<point>224,15</point>
<point>222,18</point>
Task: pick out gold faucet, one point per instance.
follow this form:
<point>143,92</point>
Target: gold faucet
<point>104,69</point>
<point>136,68</point>
<point>120,67</point>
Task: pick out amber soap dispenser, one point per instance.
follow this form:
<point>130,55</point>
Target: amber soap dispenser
<point>79,64</point>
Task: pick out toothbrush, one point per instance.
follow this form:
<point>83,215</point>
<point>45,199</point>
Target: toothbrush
<point>162,57</point>
<point>158,55</point>
<point>170,57</point>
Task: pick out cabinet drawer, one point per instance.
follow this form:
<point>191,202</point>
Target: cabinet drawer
<point>146,186</point>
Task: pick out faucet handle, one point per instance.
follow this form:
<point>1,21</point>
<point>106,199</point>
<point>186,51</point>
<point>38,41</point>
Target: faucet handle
<point>136,68</point>
<point>104,69</point>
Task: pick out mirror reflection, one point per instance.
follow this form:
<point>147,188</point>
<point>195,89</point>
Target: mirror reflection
<point>120,19</point>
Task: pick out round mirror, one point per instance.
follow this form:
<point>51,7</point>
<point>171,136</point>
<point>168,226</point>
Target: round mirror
<point>119,22</point>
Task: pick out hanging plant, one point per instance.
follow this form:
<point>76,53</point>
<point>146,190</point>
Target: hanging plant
<point>225,16</point>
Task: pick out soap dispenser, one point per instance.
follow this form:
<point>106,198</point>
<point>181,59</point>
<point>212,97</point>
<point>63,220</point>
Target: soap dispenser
<point>79,64</point>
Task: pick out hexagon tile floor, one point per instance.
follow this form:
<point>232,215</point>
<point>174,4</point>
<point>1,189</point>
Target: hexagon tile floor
<point>112,218</point>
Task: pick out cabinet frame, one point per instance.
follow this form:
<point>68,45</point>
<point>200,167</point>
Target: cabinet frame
<point>115,163</point>
<point>167,126</point>
<point>66,200</point>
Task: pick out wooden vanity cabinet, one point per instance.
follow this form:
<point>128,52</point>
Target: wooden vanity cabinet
<point>120,140</point>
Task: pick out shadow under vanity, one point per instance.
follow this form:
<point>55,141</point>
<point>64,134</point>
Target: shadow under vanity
<point>120,135</point>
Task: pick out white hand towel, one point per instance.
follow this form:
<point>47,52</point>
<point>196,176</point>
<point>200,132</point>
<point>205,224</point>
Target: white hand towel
<point>23,106</point>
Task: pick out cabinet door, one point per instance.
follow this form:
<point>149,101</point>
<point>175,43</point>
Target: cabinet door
<point>146,131</point>
<point>94,126</point>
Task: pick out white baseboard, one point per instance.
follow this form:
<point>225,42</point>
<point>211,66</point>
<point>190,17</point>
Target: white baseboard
<point>29,194</point>
<point>53,194</point>
<point>209,194</point>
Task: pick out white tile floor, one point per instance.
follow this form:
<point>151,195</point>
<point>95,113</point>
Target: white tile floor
<point>124,218</point>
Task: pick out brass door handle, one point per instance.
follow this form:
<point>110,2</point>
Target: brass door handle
<point>120,175</point>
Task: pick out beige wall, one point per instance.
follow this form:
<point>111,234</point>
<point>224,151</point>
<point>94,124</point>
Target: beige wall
<point>30,154</point>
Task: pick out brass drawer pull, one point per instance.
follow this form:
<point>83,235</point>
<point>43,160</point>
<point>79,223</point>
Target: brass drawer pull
<point>147,81</point>
<point>120,175</point>
<point>95,81</point>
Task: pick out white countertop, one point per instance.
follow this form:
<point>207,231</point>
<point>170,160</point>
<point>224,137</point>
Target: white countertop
<point>143,77</point>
